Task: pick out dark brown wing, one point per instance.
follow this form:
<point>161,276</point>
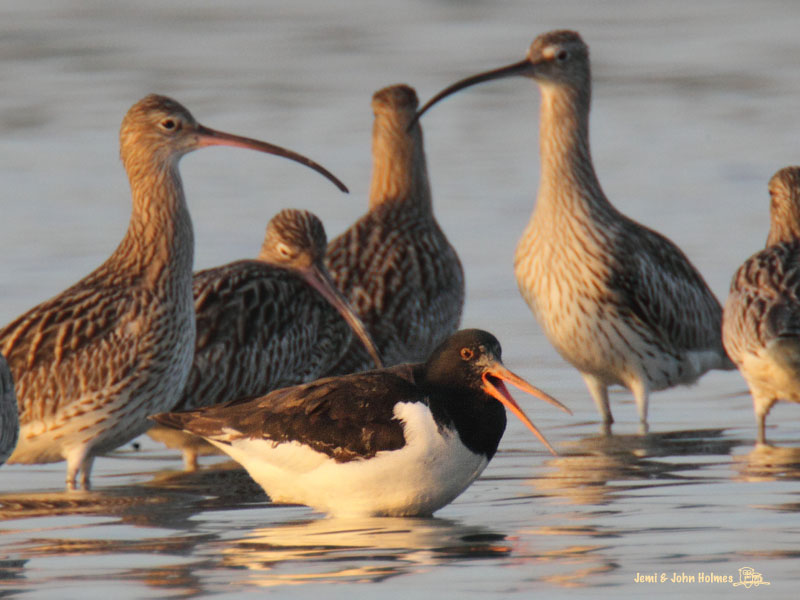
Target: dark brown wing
<point>348,418</point>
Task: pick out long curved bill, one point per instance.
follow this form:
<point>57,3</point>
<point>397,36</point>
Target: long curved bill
<point>493,385</point>
<point>518,68</point>
<point>321,281</point>
<point>212,137</point>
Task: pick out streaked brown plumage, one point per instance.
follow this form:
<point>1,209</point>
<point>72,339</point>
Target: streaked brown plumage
<point>619,301</point>
<point>395,265</point>
<point>93,362</point>
<point>761,320</point>
<point>264,324</point>
<point>9,418</point>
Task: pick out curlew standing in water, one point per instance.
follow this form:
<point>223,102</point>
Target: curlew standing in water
<point>401,441</point>
<point>761,320</point>
<point>93,362</point>
<point>619,301</point>
<point>264,324</point>
<point>395,265</point>
<point>9,418</point>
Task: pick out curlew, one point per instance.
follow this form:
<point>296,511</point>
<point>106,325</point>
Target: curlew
<point>761,320</point>
<point>93,362</point>
<point>264,324</point>
<point>9,419</point>
<point>617,300</point>
<point>394,265</point>
<point>401,441</point>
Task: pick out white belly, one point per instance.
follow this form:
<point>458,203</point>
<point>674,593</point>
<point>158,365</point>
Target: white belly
<point>427,473</point>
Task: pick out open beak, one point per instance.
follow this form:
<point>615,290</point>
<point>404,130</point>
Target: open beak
<point>493,385</point>
<point>519,68</point>
<point>320,281</point>
<point>211,137</point>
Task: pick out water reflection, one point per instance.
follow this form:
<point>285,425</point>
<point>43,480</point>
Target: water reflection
<point>589,469</point>
<point>357,550</point>
<point>123,501</point>
<point>224,485</point>
<point>169,499</point>
<point>769,463</point>
<point>160,511</point>
<point>182,580</point>
<point>11,568</point>
<point>568,564</point>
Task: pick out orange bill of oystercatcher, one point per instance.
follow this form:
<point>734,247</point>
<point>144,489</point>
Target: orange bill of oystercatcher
<point>401,441</point>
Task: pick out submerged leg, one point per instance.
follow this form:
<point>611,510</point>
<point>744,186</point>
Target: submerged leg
<point>78,461</point>
<point>762,406</point>
<point>190,459</point>
<point>599,392</point>
<point>641,394</point>
<point>86,470</point>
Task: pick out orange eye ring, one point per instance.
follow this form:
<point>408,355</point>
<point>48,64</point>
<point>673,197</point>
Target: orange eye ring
<point>467,354</point>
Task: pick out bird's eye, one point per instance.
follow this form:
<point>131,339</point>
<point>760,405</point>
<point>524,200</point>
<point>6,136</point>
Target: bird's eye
<point>562,55</point>
<point>169,124</point>
<point>284,250</point>
<point>467,353</point>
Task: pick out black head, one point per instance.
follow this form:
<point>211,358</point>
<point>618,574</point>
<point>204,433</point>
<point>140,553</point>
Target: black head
<point>467,365</point>
<point>461,360</point>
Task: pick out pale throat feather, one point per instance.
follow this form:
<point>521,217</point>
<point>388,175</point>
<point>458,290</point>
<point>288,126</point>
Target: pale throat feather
<point>561,251</point>
<point>568,180</point>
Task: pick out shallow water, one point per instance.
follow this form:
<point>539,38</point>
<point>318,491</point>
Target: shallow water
<point>693,112</point>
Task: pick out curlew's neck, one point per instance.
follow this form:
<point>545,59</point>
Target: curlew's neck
<point>785,228</point>
<point>159,243</point>
<point>399,171</point>
<point>568,180</point>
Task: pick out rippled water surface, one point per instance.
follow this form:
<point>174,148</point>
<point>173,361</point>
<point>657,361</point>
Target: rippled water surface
<point>694,109</point>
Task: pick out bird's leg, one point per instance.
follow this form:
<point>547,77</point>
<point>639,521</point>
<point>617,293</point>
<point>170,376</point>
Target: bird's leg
<point>78,461</point>
<point>641,395</point>
<point>189,460</point>
<point>762,406</point>
<point>86,469</point>
<point>599,392</point>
